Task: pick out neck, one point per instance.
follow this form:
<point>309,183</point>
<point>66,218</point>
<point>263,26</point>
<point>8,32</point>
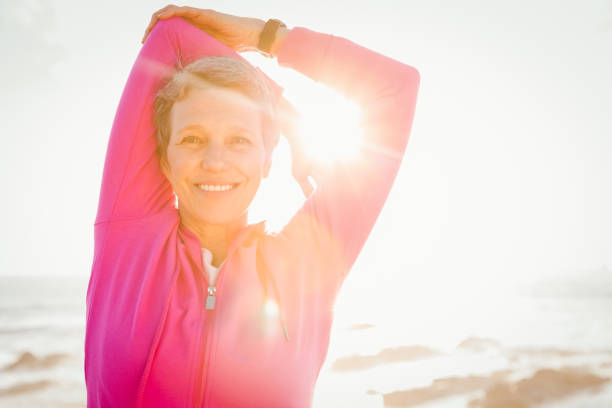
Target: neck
<point>215,237</point>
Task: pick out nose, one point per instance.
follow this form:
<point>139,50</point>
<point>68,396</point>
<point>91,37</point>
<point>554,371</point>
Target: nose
<point>214,159</point>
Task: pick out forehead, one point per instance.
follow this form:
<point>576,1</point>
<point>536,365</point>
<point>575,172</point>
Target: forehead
<point>216,108</point>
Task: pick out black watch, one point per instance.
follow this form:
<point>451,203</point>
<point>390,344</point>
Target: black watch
<point>267,36</point>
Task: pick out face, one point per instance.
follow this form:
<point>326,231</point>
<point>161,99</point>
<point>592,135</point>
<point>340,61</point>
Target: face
<point>215,157</point>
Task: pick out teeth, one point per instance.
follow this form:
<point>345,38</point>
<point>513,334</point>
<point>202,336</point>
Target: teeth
<point>211,187</point>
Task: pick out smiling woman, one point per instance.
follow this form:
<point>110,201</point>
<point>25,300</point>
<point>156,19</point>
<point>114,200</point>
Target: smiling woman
<point>215,165</point>
<point>216,129</point>
<point>187,304</point>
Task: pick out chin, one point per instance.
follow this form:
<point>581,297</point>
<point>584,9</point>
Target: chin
<point>219,217</point>
<point>196,211</point>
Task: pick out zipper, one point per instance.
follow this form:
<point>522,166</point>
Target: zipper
<point>205,358</point>
<point>210,314</point>
<point>210,298</point>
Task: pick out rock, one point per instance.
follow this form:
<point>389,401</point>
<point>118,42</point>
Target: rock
<point>28,360</point>
<point>24,388</point>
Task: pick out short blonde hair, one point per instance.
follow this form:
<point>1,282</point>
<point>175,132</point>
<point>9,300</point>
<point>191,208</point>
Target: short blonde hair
<point>220,71</point>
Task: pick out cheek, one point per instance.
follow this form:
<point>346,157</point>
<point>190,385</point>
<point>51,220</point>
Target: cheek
<point>255,162</point>
<point>180,166</point>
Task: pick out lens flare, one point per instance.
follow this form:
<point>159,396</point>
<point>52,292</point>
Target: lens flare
<point>270,308</point>
<point>330,127</point>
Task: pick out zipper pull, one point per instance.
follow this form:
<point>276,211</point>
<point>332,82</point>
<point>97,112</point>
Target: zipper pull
<point>210,299</point>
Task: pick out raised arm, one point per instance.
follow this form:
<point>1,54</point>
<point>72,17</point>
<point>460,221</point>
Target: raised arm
<point>133,185</point>
<point>337,218</point>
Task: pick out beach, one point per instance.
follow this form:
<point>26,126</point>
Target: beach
<point>528,348</point>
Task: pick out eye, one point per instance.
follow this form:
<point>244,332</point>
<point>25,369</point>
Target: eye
<point>239,140</point>
<point>190,139</point>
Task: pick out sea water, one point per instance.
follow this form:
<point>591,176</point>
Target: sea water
<point>42,322</point>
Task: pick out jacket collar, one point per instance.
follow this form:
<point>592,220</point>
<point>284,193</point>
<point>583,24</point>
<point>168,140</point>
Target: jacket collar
<point>244,237</point>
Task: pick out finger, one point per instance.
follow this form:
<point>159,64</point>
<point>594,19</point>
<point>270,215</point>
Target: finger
<point>150,26</point>
<point>166,13</point>
<point>190,11</point>
<point>152,23</point>
<point>155,17</point>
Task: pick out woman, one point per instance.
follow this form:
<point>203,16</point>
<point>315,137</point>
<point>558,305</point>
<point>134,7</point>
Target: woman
<point>165,326</point>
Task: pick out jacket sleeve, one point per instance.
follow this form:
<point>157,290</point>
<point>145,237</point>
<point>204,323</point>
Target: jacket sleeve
<point>338,216</point>
<point>133,185</point>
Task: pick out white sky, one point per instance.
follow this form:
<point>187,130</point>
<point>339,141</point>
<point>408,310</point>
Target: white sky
<point>507,174</point>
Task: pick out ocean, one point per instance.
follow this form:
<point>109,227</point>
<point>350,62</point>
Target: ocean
<point>540,346</point>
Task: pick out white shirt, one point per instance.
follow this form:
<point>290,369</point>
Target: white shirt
<point>210,270</point>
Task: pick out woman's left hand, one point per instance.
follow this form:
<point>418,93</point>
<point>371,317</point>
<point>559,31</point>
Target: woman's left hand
<point>239,33</point>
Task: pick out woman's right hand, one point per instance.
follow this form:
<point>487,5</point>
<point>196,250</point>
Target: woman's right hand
<point>239,33</point>
<point>301,163</point>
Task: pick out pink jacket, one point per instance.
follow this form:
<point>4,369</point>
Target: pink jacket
<point>150,341</point>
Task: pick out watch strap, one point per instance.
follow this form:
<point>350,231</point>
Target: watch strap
<point>268,34</point>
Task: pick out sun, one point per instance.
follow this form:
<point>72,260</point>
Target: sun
<point>329,125</point>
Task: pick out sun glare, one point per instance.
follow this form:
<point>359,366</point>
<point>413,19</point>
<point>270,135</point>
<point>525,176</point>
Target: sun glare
<point>330,125</point>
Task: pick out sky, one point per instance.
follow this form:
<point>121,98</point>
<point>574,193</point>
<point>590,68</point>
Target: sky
<point>507,175</point>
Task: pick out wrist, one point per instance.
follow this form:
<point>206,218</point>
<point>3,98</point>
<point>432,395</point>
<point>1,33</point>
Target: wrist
<point>271,36</point>
<point>256,33</point>
<point>281,33</point>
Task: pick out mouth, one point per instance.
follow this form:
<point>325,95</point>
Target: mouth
<point>217,188</point>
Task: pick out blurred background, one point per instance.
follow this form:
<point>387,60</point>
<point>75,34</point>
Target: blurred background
<point>487,280</point>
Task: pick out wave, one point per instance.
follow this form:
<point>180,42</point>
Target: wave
<point>17,330</point>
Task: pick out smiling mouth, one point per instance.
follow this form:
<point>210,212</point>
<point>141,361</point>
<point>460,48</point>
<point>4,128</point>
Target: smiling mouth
<point>217,187</point>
